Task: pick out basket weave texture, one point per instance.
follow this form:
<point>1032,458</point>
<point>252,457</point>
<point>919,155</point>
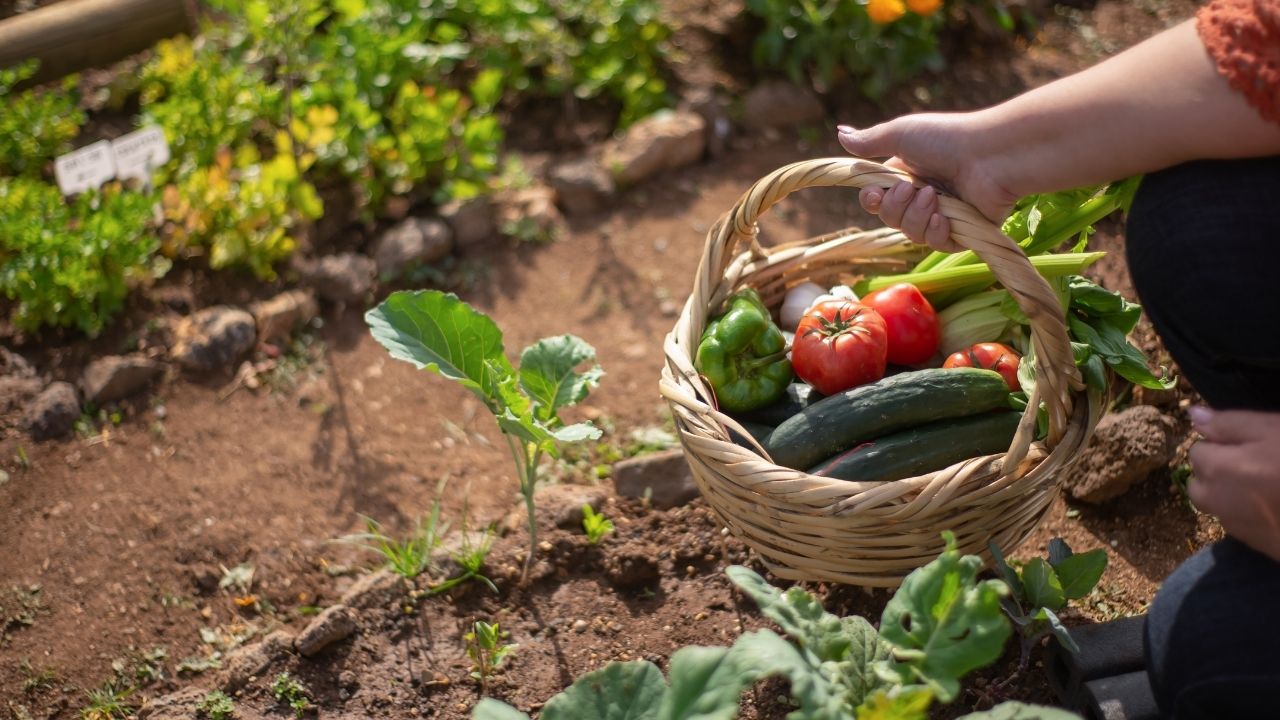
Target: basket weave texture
<point>807,527</point>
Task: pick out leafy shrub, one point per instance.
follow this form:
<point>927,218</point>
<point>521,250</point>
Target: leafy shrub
<point>71,262</point>
<point>878,43</point>
<point>37,125</point>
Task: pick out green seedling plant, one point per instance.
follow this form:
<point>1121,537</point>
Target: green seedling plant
<point>470,558</point>
<point>595,524</point>
<point>36,680</point>
<point>940,625</point>
<point>216,705</point>
<point>285,689</point>
<point>1042,588</point>
<point>108,702</point>
<point>487,650</point>
<point>409,557</point>
<point>438,332</point>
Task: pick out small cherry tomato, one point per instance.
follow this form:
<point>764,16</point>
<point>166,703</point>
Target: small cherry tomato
<point>989,356</point>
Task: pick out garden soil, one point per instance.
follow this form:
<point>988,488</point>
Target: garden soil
<point>116,542</point>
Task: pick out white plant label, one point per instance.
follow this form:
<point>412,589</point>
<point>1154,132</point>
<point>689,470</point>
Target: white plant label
<point>86,168</point>
<point>140,152</point>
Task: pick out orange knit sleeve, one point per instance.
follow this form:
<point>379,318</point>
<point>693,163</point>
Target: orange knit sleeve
<point>1243,38</point>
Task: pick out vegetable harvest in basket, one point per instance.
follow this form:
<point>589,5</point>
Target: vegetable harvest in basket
<point>928,368</point>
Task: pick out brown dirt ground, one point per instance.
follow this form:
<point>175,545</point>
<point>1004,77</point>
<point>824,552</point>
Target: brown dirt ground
<point>126,532</point>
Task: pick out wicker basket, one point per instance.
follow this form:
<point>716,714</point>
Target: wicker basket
<point>807,527</point>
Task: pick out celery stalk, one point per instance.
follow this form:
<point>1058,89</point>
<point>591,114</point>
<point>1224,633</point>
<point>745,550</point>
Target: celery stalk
<point>936,282</point>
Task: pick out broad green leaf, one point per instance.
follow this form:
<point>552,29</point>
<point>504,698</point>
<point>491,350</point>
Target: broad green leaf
<point>547,373</point>
<point>1059,630</point>
<point>1020,711</point>
<point>798,614</point>
<point>1080,572</point>
<point>1059,550</point>
<point>619,691</point>
<point>576,432</point>
<point>942,623</point>
<point>349,9</point>
<point>1009,575</point>
<point>486,89</point>
<point>910,702</point>
<point>1109,341</point>
<point>707,682</point>
<point>490,709</point>
<point>1097,301</point>
<point>1042,586</point>
<point>866,649</point>
<point>439,332</point>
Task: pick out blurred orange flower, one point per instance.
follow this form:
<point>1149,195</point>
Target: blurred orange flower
<point>883,12</point>
<point>924,7</point>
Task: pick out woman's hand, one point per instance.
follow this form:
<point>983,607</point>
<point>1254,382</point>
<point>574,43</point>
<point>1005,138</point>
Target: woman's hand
<point>1237,474</point>
<point>945,150</point>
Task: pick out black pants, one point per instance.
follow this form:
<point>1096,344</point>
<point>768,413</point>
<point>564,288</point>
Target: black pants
<point>1201,242</point>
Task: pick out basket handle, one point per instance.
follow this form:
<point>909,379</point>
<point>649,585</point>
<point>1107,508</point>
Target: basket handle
<point>1056,372</point>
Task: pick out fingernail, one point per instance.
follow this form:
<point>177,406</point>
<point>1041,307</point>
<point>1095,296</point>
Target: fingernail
<point>845,129</point>
<point>1200,415</point>
<point>903,190</point>
<point>935,221</point>
<point>926,194</point>
<point>873,199</point>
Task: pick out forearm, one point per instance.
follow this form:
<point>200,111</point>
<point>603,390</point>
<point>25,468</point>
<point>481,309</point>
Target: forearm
<point>1158,104</point>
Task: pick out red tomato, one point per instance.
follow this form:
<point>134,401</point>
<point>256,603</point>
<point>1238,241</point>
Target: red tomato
<point>839,344</point>
<point>989,356</point>
<point>911,322</point>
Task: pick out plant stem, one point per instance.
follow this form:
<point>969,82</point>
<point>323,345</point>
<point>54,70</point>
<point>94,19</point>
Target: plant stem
<point>527,487</point>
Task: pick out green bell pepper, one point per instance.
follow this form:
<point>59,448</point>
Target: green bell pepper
<point>744,355</point>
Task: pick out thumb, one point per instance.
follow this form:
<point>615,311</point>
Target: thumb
<point>877,141</point>
<point>1231,427</point>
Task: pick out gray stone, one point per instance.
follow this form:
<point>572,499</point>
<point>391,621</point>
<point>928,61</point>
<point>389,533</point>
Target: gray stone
<point>664,476</point>
<point>410,243</point>
<point>778,103</point>
<point>180,705</point>
<point>471,220</point>
<point>559,505</point>
<point>116,377</point>
<point>530,214</point>
<point>345,277</point>
<point>16,391</point>
<point>715,113</point>
<point>335,624</point>
<point>378,589</point>
<point>278,317</point>
<point>213,338</point>
<point>243,664</point>
<point>14,365</point>
<point>1125,448</point>
<point>582,186</point>
<point>53,413</point>
<point>663,141</point>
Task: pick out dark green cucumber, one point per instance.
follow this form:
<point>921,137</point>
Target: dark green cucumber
<point>758,431</point>
<point>838,422</point>
<point>924,449</point>
<point>799,396</point>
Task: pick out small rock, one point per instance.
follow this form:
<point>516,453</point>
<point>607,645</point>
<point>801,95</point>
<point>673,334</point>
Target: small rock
<point>378,589</point>
<point>213,338</point>
<point>276,318</point>
<point>116,377</point>
<point>244,663</point>
<point>663,141</point>
<point>335,624</point>
<point>342,278</point>
<point>778,103</point>
<point>53,413</point>
<point>1125,448</point>
<point>15,391</point>
<point>558,505</point>
<point>580,625</point>
<point>179,705</point>
<point>14,365</point>
<point>471,220</point>
<point>715,113</point>
<point>531,214</point>
<point>665,476</point>
<point>582,186</point>
<point>632,566</point>
<point>669,308</point>
<point>411,243</point>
